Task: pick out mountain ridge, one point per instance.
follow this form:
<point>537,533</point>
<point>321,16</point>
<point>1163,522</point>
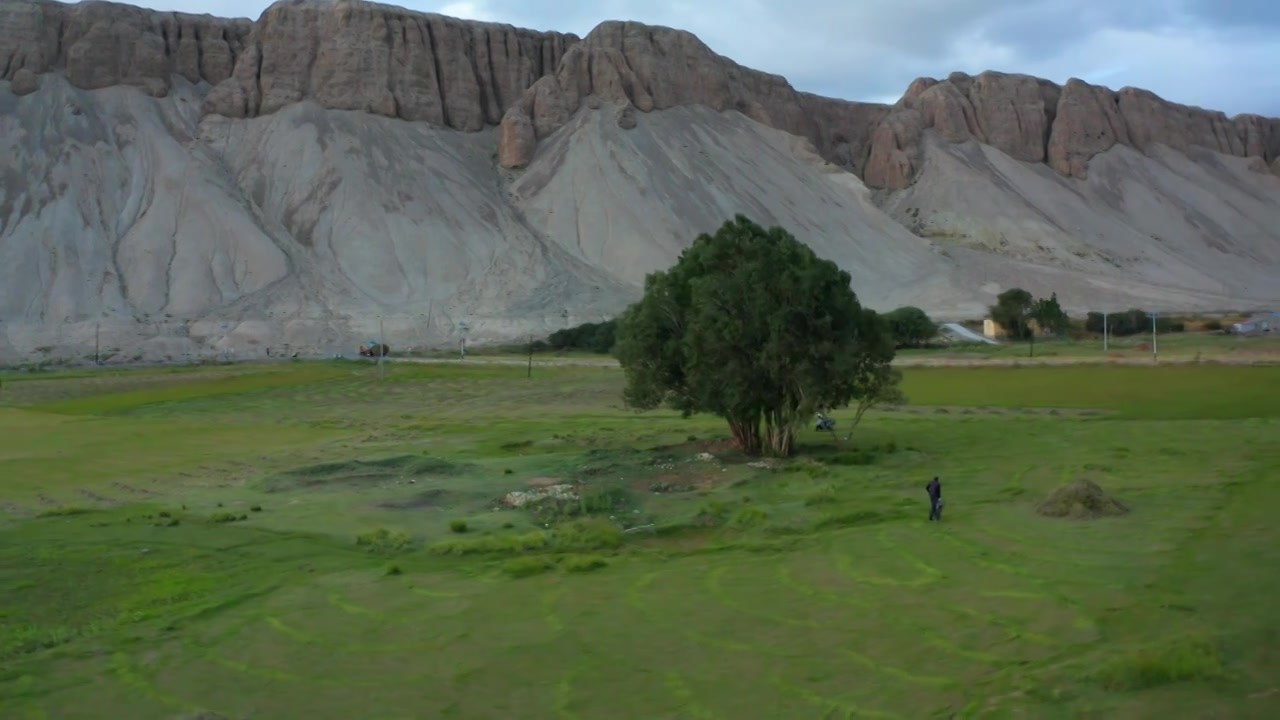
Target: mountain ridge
<point>288,54</point>
<point>290,179</point>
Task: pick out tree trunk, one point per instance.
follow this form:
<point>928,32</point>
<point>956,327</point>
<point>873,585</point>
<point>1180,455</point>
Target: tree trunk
<point>746,435</point>
<point>780,435</point>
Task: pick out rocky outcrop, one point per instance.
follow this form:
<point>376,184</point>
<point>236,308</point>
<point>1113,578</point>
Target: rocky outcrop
<point>655,68</point>
<point>643,68</point>
<point>350,55</point>
<point>1035,120</point>
<point>101,44</point>
<point>354,55</point>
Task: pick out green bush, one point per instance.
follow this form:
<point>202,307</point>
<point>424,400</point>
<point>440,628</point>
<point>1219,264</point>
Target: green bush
<point>1213,325</point>
<point>458,526</point>
<point>394,570</point>
<point>749,517</point>
<point>711,514</point>
<point>383,541</point>
<point>587,534</point>
<point>226,517</point>
<point>492,544</point>
<point>1184,659</point>
<point>584,563</point>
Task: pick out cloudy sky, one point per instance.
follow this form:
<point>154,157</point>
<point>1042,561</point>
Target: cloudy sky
<point>1219,54</point>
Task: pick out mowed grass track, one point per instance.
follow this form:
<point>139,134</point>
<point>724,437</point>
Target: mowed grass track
<point>831,597</point>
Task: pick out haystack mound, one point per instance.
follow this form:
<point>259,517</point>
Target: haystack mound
<point>1082,499</point>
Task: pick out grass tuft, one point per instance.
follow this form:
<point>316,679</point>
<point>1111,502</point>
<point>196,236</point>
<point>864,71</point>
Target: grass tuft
<point>1179,661</point>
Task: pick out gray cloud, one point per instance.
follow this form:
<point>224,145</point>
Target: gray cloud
<point>1209,53</point>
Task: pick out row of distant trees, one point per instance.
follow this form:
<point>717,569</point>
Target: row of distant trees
<point>1016,310</point>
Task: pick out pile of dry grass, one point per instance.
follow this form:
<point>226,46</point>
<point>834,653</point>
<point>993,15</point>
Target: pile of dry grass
<point>1082,499</point>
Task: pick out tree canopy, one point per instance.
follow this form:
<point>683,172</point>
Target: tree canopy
<point>592,337</point>
<point>1015,309</point>
<point>752,326</point>
<point>910,326</point>
<point>1049,315</point>
<point>1013,312</point>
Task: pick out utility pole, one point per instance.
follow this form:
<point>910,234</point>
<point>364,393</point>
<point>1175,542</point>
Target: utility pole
<point>97,342</point>
<point>1155,348</point>
<point>530,372</point>
<point>382,350</point>
<point>1104,332</point>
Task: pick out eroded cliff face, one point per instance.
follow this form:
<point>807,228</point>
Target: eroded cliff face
<point>1065,126</point>
<point>101,44</point>
<point>384,60</point>
<point>645,68</point>
<point>351,55</point>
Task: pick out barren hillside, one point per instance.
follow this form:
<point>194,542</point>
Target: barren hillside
<point>184,184</point>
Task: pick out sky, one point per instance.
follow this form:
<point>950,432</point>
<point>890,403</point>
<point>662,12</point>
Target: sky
<point>1217,54</point>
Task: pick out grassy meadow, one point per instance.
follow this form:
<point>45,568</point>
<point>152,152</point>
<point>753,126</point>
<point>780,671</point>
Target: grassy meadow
<point>306,541</point>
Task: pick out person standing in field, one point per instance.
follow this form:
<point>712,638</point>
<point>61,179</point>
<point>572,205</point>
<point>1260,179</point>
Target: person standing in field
<point>935,500</point>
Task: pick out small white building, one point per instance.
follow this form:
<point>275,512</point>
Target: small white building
<point>1260,323</point>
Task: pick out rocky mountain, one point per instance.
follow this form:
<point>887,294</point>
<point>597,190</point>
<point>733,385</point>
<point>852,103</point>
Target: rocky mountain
<point>174,184</point>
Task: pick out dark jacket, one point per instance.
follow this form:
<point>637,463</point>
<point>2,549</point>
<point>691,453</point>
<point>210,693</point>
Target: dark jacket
<point>935,489</point>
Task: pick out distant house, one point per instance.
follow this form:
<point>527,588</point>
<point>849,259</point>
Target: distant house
<point>1260,323</point>
<point>995,330</point>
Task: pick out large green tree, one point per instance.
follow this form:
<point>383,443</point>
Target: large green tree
<point>751,326</point>
<point>1013,311</point>
<point>911,326</point>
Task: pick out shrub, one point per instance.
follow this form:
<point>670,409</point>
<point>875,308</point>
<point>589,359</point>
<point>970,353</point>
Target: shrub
<point>749,517</point>
<point>526,566</point>
<point>584,563</point>
<point>491,544</point>
<point>1213,325</point>
<point>711,514</point>
<point>1183,659</point>
<point>383,541</point>
<point>394,570</point>
<point>458,526</point>
<point>587,534</point>
<point>256,508</point>
<point>224,517</point>
<point>823,496</point>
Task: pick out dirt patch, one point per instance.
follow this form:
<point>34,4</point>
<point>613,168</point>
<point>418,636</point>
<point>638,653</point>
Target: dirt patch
<point>543,482</point>
<point>1082,500</point>
<point>126,488</point>
<point>362,472</point>
<point>426,499</point>
<point>89,494</point>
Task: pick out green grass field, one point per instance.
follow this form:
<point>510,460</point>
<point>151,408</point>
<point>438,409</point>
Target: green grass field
<point>304,541</point>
